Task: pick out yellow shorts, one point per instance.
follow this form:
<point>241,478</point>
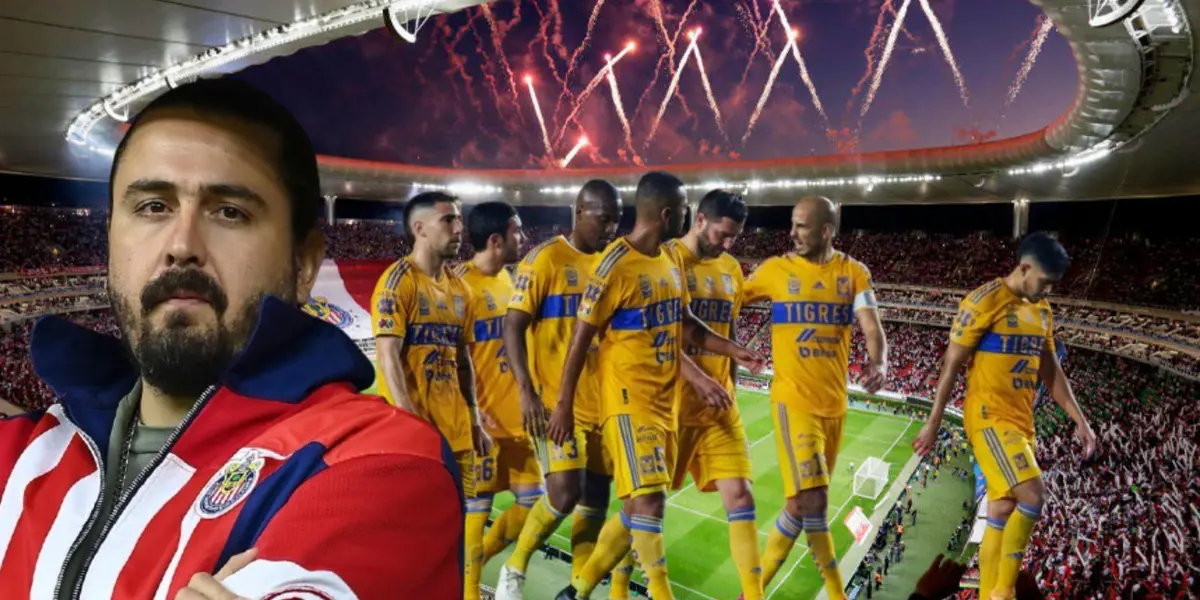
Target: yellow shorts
<point>512,462</point>
<point>643,454</point>
<point>711,453</point>
<point>807,446</point>
<point>466,468</point>
<point>1005,457</point>
<point>585,451</point>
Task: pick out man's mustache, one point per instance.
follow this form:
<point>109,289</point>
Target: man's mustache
<point>191,282</point>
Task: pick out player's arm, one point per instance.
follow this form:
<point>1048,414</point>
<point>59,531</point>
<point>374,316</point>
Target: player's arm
<point>697,333</point>
<point>465,367</point>
<point>528,292</point>
<point>1056,382</point>
<point>710,391</point>
<point>756,287</point>
<point>391,310</point>
<point>600,301</point>
<point>970,323</point>
<point>866,312</point>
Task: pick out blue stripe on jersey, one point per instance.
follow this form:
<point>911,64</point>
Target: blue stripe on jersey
<point>819,313</point>
<point>1025,345</point>
<point>666,312</point>
<point>560,306</point>
<point>487,330</point>
<point>713,310</point>
<point>433,334</point>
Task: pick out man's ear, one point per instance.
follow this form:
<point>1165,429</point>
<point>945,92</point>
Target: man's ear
<point>310,253</point>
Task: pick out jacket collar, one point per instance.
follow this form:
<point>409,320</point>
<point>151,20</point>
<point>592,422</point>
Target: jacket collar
<point>289,354</point>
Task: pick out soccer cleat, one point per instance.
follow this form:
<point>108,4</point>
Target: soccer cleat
<point>567,593</point>
<point>511,585</point>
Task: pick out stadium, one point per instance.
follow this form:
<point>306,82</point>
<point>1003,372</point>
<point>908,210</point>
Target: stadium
<point>934,190</point>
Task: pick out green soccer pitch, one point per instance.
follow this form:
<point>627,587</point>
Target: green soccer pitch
<point>696,532</point>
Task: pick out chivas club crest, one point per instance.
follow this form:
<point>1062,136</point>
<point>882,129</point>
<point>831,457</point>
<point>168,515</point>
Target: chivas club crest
<point>646,286</point>
<point>572,277</point>
<point>843,287</point>
<point>793,285</point>
<point>231,484</point>
<point>727,281</point>
<point>460,308</point>
<point>325,310</point>
<point>423,305</point>
<point>691,281</point>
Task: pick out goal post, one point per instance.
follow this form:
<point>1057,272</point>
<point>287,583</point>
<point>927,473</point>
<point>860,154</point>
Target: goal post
<point>871,478</point>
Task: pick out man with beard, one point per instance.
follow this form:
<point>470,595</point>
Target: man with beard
<point>218,435</point>
<point>549,285</point>
<point>636,295</point>
<point>816,294</point>
<point>712,440</point>
<point>423,327</point>
<point>495,234</point>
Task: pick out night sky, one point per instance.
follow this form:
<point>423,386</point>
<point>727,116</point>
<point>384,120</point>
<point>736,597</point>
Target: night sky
<point>448,99</point>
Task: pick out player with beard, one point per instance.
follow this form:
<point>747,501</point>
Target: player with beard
<point>637,297</point>
<point>218,432</point>
<point>712,440</point>
<point>816,294</point>
<point>495,233</point>
<point>424,325</point>
<point>550,282</point>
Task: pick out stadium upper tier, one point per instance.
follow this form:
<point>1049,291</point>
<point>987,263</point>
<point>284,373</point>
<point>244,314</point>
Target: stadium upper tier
<point>1133,111</point>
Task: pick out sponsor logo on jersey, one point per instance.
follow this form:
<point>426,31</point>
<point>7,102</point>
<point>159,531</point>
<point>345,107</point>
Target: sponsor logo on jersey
<point>231,484</point>
<point>386,305</point>
<point>793,285</point>
<point>727,281</point>
<point>819,285</point>
<point>423,304</point>
<point>646,286</point>
<point>843,287</point>
<point>323,309</point>
<point>386,323</point>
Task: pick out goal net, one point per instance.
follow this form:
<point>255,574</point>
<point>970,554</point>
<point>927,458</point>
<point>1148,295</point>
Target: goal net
<point>871,478</point>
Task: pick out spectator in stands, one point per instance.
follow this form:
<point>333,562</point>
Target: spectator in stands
<point>213,237</point>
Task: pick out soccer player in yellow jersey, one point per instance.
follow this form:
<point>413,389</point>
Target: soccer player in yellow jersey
<point>549,285</point>
<point>1006,326</point>
<point>816,295</point>
<point>637,297</point>
<point>712,440</point>
<point>494,230</point>
<point>421,314</point>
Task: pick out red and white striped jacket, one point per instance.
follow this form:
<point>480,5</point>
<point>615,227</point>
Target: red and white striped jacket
<point>343,495</point>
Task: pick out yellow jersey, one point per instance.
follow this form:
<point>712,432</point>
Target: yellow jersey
<point>812,313</point>
<point>495,386</point>
<point>549,286</point>
<point>715,288</point>
<point>431,316</point>
<point>637,303</point>
<point>1008,334</point>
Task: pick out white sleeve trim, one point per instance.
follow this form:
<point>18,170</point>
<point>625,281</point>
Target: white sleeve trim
<point>865,299</point>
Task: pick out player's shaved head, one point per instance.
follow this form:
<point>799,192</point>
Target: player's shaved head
<point>814,220</point>
<point>597,214</point>
<point>661,202</point>
<point>821,209</point>
<point>597,192</point>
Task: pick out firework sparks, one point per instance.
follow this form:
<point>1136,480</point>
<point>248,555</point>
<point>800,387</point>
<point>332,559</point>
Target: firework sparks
<point>498,44</point>
<point>619,105</point>
<point>574,60</point>
<point>583,141</point>
<point>945,44</point>
<point>667,58</point>
<point>712,100</point>
<point>762,100</point>
<point>537,110</point>
<point>812,89</point>
<point>888,47</point>
<point>591,87</point>
<point>1035,48</point>
<point>674,84</point>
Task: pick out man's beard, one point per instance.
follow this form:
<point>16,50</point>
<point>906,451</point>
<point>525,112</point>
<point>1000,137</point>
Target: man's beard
<point>181,359</point>
<point>707,250</point>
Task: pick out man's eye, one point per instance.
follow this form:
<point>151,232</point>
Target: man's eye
<point>231,213</point>
<point>152,206</point>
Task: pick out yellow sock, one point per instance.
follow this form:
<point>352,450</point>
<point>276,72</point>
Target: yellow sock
<point>820,543</point>
<point>650,554</point>
<point>1012,550</point>
<point>541,522</point>
<point>743,547</point>
<point>611,546</point>
<point>478,511</point>
<point>621,574</point>
<point>507,528</point>
<point>585,530</point>
<point>989,556</point>
<point>779,544</point>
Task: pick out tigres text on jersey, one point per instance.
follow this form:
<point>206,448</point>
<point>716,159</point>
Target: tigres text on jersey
<point>715,288</point>
<point>637,302</point>
<point>431,316</point>
<point>549,286</point>
<point>812,313</point>
<point>495,387</point>
<point>1008,334</point>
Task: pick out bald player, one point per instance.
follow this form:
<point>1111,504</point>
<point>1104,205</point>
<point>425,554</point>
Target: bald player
<point>816,294</point>
<point>548,287</point>
<point>637,297</point>
<point>421,313</point>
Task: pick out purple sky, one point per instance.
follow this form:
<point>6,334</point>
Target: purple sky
<point>448,100</point>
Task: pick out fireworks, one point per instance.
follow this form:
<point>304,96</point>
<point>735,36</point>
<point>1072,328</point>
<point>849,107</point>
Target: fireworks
<point>945,44</point>
<point>617,103</point>
<point>1035,48</point>
<point>583,141</point>
<point>888,47</point>
<point>537,110</point>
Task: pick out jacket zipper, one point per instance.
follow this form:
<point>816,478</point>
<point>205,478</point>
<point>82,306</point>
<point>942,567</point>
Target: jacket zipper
<point>123,500</point>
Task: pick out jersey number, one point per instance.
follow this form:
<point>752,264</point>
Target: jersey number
<point>486,469</point>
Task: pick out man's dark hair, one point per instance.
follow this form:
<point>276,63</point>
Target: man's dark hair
<point>487,219</point>
<point>423,200</point>
<point>600,189</point>
<point>1047,251</point>
<point>294,159</point>
<point>656,189</point>
<point>719,204</point>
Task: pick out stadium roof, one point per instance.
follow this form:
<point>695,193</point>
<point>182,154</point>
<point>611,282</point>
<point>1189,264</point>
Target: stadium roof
<point>71,70</point>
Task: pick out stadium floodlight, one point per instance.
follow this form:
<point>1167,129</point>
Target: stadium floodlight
<point>871,478</point>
